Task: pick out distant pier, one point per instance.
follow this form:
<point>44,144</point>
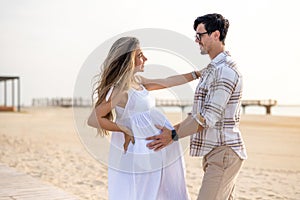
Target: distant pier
<point>174,103</point>
<point>80,102</point>
<point>62,102</point>
<point>268,104</point>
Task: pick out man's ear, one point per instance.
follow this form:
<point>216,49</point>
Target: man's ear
<point>216,35</point>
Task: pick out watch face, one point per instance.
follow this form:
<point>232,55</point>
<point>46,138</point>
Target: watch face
<point>174,135</point>
<point>175,138</point>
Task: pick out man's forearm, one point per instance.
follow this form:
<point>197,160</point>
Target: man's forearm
<point>187,127</point>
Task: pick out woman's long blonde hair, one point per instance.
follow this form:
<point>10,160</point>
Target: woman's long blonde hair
<point>116,71</point>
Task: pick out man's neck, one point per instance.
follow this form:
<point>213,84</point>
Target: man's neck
<point>217,50</point>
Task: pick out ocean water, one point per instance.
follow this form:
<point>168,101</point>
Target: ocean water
<point>280,110</point>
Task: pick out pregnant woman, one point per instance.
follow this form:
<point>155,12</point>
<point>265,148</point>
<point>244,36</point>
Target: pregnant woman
<point>135,172</point>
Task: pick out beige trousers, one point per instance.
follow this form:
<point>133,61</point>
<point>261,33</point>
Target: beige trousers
<point>221,167</point>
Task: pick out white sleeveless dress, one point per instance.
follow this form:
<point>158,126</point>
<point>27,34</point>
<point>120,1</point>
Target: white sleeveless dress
<point>141,173</point>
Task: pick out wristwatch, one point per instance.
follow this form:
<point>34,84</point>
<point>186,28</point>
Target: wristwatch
<point>174,135</point>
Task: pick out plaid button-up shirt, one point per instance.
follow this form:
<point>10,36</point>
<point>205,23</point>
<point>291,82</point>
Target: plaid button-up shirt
<point>218,99</point>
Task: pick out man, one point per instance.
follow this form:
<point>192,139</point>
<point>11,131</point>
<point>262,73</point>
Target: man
<point>214,121</point>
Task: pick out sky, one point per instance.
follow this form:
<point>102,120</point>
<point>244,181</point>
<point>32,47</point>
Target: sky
<point>46,42</point>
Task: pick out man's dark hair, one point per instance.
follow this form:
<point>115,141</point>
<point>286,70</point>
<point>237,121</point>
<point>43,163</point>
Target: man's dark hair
<point>213,22</point>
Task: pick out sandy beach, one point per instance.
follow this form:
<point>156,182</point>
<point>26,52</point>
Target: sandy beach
<point>44,143</point>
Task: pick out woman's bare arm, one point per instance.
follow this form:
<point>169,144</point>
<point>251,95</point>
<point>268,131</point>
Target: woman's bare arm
<point>97,117</point>
<point>156,84</point>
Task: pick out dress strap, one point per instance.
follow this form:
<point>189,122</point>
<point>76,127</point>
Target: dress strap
<point>109,93</point>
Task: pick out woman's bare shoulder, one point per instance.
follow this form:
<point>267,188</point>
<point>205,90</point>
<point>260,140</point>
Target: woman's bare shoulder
<point>119,96</point>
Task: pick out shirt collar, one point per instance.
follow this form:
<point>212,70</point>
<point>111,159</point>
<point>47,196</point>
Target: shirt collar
<point>220,57</point>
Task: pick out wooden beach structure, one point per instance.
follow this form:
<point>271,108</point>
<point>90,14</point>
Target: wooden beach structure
<point>268,104</point>
<point>174,103</point>
<point>61,102</point>
<point>182,104</point>
<point>18,185</point>
<point>6,80</point>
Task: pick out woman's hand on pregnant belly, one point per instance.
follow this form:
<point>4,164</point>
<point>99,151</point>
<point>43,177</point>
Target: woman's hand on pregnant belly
<point>128,137</point>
